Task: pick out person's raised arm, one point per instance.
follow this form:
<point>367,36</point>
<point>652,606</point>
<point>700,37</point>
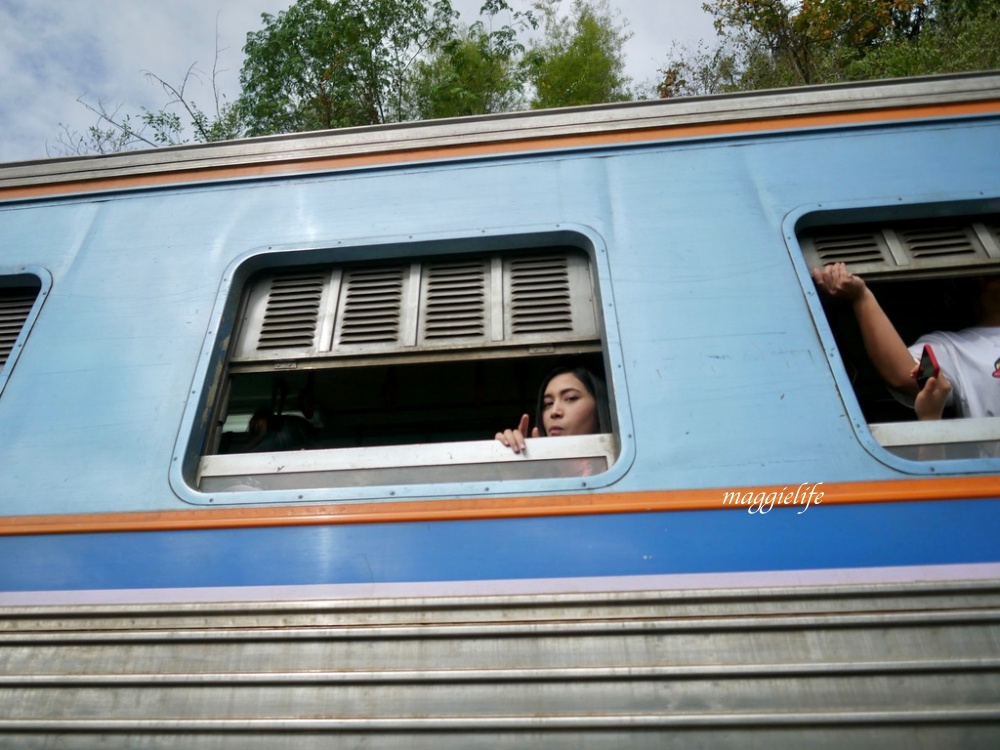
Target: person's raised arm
<point>882,342</point>
<point>514,439</point>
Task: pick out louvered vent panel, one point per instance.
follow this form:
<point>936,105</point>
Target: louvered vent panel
<point>861,247</point>
<point>905,246</point>
<point>434,305</point>
<point>939,242</point>
<point>292,312</point>
<point>455,301</point>
<point>993,227</point>
<point>540,295</point>
<point>15,306</point>
<point>372,308</point>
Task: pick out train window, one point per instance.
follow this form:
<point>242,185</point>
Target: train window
<point>400,372</point>
<point>18,295</point>
<point>925,273</point>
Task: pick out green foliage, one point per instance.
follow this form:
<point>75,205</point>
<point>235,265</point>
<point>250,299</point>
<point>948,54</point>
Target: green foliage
<point>959,36</point>
<point>698,73</point>
<point>770,43</point>
<point>333,63</point>
<point>476,72</point>
<point>799,43</point>
<point>580,58</point>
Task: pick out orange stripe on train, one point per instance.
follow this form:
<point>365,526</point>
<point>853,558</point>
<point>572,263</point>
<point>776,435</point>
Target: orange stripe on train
<point>639,135</point>
<point>905,490</point>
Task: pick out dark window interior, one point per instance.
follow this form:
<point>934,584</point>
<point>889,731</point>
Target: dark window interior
<point>916,306</point>
<point>402,351</point>
<point>17,297</point>
<point>396,404</point>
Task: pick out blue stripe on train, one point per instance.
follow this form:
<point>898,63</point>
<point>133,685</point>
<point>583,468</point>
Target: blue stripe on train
<point>824,537</point>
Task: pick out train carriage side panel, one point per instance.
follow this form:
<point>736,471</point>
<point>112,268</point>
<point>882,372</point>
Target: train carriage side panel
<point>711,342</point>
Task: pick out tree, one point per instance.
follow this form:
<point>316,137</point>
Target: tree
<point>699,73</point>
<point>772,43</point>
<point>333,63</point>
<point>810,41</point>
<point>580,58</point>
<point>476,72</point>
<point>960,35</point>
<point>115,131</point>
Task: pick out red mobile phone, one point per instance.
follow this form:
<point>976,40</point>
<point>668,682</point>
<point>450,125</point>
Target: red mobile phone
<point>928,367</point>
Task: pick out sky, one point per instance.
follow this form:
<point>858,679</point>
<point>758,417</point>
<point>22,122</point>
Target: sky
<point>55,52</point>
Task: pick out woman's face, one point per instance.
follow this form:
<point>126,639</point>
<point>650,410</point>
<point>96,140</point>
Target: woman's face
<point>568,408</point>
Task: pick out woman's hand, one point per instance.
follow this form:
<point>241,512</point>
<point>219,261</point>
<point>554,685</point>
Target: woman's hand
<point>838,282</point>
<point>514,439</point>
<point>931,399</point>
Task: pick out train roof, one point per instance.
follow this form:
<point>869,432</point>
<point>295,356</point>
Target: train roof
<point>511,133</point>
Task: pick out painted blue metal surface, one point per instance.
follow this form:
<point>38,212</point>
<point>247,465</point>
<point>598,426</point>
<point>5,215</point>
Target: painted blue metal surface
<point>725,372</point>
<point>877,535</point>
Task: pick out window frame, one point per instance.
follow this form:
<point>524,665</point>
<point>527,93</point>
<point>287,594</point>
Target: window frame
<point>899,445</point>
<point>208,384</point>
<point>17,277</point>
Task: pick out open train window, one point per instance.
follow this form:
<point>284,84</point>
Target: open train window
<point>925,273</point>
<point>399,372</point>
<point>18,295</point>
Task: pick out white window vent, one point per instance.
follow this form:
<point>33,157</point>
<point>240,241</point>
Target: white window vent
<point>456,306</point>
<point>419,306</point>
<point>372,306</point>
<point>850,247</point>
<point>292,312</point>
<point>540,295</point>
<point>906,246</point>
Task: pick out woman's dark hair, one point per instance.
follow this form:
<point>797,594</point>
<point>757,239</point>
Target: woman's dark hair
<point>595,387</point>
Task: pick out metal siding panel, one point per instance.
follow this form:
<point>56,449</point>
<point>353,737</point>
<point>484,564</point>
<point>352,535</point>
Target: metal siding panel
<point>736,668</point>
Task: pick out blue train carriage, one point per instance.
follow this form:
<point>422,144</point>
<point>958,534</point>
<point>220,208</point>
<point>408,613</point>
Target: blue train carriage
<point>764,548</point>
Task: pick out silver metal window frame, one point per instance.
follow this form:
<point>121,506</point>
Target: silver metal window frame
<point>565,457</point>
<point>945,439</point>
<point>17,277</point>
<point>187,470</point>
<point>961,446</point>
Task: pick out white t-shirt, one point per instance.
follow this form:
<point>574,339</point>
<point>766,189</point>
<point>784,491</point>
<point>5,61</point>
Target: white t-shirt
<point>970,359</point>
